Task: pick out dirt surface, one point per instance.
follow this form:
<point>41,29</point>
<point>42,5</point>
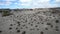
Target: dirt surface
<point>31,22</point>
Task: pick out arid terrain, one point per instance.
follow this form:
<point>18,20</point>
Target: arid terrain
<point>30,21</point>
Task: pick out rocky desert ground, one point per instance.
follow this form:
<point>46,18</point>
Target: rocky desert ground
<point>31,21</point>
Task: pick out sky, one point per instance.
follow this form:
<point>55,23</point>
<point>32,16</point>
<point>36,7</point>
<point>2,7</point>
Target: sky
<point>12,4</point>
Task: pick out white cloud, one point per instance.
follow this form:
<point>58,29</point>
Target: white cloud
<point>10,0</point>
<point>2,3</point>
<point>43,1</point>
<point>6,2</point>
<point>34,3</point>
<point>57,0</point>
<point>25,1</point>
<point>44,4</point>
<point>27,4</point>
<point>38,3</point>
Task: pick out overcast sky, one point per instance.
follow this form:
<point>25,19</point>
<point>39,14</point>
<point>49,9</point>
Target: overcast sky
<point>29,3</point>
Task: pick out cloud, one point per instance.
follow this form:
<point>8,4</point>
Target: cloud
<point>27,4</point>
<point>57,0</point>
<point>38,3</point>
<point>43,4</point>
<point>7,2</point>
<point>32,3</point>
<point>42,1</point>
<point>23,1</point>
<point>10,0</point>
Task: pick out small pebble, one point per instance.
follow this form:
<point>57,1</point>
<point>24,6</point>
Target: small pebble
<point>24,32</point>
<point>11,24</point>
<point>18,31</point>
<point>51,26</point>
<point>57,29</point>
<point>48,23</point>
<point>57,21</point>
<point>41,32</point>
<point>0,31</point>
<point>10,28</point>
<point>46,28</point>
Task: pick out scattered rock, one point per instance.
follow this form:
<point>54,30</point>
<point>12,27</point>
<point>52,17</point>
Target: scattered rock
<point>57,29</point>
<point>46,28</point>
<point>10,28</point>
<point>0,31</point>
<point>51,26</point>
<point>11,24</point>
<point>24,32</point>
<point>18,31</point>
<point>57,21</point>
<point>48,23</point>
<point>41,32</point>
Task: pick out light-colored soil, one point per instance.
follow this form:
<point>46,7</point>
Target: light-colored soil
<point>30,22</point>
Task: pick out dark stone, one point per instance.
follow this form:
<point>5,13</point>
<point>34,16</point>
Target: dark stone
<point>16,28</point>
<point>31,9</point>
<point>57,29</point>
<point>34,19</point>
<point>18,25</point>
<point>31,24</point>
<point>46,28</point>
<point>26,20</point>
<point>38,22</point>
<point>17,16</point>
<point>42,23</point>
<point>53,15</point>
<point>41,32</point>
<point>51,26</point>
<point>24,32</point>
<point>26,27</point>
<point>44,12</point>
<point>48,23</point>
<point>23,25</point>
<point>18,22</point>
<point>18,31</point>
<point>53,12</point>
<point>37,28</point>
<point>0,31</point>
<point>36,25</point>
<point>11,24</point>
<point>57,21</point>
<point>10,28</point>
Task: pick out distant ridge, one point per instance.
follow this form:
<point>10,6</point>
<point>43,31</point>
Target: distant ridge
<point>24,9</point>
